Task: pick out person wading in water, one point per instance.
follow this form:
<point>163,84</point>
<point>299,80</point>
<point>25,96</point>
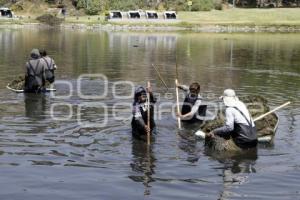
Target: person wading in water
<point>51,66</point>
<point>35,76</point>
<point>140,113</point>
<point>192,109</point>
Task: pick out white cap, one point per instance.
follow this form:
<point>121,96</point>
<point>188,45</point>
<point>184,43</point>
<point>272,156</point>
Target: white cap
<point>229,97</point>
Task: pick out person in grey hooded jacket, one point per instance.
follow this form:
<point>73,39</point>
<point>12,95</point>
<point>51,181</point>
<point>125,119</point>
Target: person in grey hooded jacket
<point>35,73</point>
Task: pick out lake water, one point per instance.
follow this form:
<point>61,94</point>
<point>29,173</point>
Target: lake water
<point>60,147</point>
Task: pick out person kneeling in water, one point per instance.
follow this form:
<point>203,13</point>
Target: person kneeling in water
<point>140,113</point>
<point>192,108</point>
<point>239,125</point>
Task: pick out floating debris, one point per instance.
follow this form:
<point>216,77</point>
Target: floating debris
<point>19,83</point>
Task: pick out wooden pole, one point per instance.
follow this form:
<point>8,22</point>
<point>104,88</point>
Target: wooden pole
<point>148,113</point>
<point>159,75</point>
<point>275,109</point>
<point>177,103</point>
<point>177,94</point>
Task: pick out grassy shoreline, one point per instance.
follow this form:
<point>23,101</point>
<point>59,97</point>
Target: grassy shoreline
<point>240,18</point>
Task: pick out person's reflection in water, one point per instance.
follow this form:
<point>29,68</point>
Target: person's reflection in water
<point>237,167</point>
<point>142,163</point>
<point>188,143</point>
<point>35,105</point>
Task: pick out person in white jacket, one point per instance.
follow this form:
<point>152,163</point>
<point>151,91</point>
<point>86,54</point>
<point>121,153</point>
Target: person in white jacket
<point>239,124</point>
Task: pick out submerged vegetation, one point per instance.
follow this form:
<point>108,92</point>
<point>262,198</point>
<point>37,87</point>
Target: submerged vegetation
<point>19,82</point>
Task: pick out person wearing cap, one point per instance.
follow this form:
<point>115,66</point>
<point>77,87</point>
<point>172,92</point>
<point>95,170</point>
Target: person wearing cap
<point>191,108</point>
<point>51,66</point>
<point>35,73</point>
<point>140,113</point>
<point>239,125</point>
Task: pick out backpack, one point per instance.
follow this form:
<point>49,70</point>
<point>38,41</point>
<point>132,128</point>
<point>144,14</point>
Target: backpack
<point>49,73</point>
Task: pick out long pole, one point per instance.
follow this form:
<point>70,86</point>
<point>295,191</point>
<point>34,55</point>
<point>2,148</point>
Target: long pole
<point>177,93</point>
<point>275,109</point>
<point>177,103</point>
<point>148,113</point>
<point>160,77</point>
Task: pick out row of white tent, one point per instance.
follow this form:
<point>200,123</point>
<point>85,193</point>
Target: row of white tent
<point>137,14</point>
<point>6,12</point>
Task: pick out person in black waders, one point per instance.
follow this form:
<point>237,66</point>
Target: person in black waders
<point>35,73</point>
<point>239,125</point>
<point>51,66</point>
<point>192,110</point>
<point>140,114</point>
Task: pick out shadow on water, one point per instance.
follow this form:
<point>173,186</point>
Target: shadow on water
<point>143,163</point>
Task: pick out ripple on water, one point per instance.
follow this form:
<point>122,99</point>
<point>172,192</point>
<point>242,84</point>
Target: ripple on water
<point>40,154</point>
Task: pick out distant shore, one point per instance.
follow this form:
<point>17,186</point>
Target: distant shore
<point>203,28</point>
<point>160,28</point>
<point>283,20</point>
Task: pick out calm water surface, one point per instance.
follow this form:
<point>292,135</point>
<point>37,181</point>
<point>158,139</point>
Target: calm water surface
<point>47,151</point>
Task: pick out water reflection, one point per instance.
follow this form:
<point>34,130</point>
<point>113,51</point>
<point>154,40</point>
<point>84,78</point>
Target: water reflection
<point>187,142</point>
<point>143,163</point>
<point>235,170</point>
<point>35,106</point>
<point>235,174</point>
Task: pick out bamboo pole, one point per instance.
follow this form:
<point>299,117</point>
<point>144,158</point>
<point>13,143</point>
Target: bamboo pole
<point>177,103</point>
<point>275,109</point>
<point>177,93</point>
<point>148,113</point>
<point>160,77</point>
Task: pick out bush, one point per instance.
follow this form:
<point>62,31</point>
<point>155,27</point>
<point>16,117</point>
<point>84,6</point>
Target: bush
<point>49,19</point>
<point>3,2</point>
<point>202,5</point>
<point>50,1</point>
<point>161,7</point>
<point>126,5</point>
<point>178,5</point>
<point>17,7</point>
<point>218,4</point>
<point>93,7</point>
<point>92,10</point>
